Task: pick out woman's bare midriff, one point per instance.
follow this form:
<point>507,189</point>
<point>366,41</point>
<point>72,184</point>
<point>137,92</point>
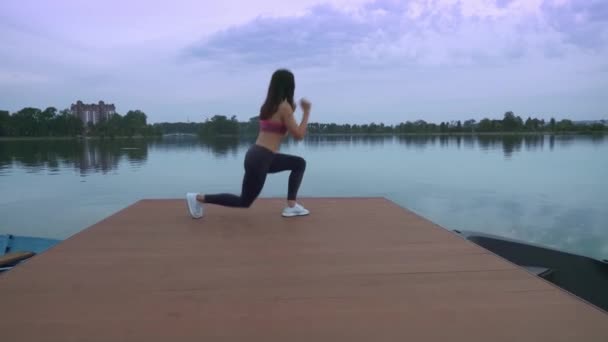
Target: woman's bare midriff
<point>269,140</point>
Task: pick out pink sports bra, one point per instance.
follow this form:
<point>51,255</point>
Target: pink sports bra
<point>273,126</point>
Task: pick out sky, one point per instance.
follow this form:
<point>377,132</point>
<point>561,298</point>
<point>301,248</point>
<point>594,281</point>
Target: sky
<point>357,61</point>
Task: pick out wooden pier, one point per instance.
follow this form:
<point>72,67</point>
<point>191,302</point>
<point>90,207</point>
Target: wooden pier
<point>356,269</point>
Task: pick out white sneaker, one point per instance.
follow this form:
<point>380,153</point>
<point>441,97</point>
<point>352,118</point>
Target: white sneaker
<point>194,206</point>
<point>296,210</point>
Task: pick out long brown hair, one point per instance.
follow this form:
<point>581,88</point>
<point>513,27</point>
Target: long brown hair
<point>281,88</point>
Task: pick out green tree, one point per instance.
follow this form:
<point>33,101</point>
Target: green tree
<point>469,125</point>
<point>74,124</point>
<point>598,127</point>
<point>5,123</point>
<point>251,126</point>
<point>219,125</point>
<point>511,123</point>
<point>529,125</point>
<point>134,122</point>
<point>536,124</point>
<point>116,126</point>
<point>25,122</point>
<point>565,125</point>
<point>485,125</point>
<point>44,121</point>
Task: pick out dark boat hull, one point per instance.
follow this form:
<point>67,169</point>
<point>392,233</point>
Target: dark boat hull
<point>583,276</point>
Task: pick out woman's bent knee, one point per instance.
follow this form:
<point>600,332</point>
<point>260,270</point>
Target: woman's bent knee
<point>300,163</point>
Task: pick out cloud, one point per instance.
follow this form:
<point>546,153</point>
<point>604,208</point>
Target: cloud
<point>402,33</point>
<point>582,23</point>
<point>503,3</point>
<point>314,38</point>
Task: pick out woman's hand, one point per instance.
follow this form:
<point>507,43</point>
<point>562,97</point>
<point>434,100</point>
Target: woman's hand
<point>305,104</point>
<point>296,131</point>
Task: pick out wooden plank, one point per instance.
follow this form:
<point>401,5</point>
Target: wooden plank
<point>356,269</point>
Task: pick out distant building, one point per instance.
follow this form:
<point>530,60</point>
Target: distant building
<point>92,113</point>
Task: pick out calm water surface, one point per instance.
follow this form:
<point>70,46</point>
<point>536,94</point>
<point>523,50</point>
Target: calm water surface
<point>544,189</point>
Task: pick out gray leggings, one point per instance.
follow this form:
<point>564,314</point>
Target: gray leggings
<point>260,161</point>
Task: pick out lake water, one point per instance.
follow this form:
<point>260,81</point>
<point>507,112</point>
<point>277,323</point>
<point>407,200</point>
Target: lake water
<point>551,190</point>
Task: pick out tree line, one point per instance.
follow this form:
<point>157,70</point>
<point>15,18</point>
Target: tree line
<point>510,123</point>
<point>34,122</point>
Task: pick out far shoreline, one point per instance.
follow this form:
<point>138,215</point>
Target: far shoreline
<point>454,134</point>
<point>50,138</point>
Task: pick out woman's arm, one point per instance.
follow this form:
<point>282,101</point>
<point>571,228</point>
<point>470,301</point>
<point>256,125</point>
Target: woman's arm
<point>297,131</point>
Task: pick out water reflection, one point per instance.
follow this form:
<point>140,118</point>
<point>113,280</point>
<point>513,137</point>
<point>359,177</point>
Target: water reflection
<point>102,156</point>
<point>86,156</point>
<point>220,147</point>
<point>346,140</point>
<point>597,139</point>
<point>223,146</point>
<point>417,141</point>
<point>534,142</point>
<point>469,141</point>
<point>510,145</point>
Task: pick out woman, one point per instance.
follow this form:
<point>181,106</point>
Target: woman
<point>262,158</point>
